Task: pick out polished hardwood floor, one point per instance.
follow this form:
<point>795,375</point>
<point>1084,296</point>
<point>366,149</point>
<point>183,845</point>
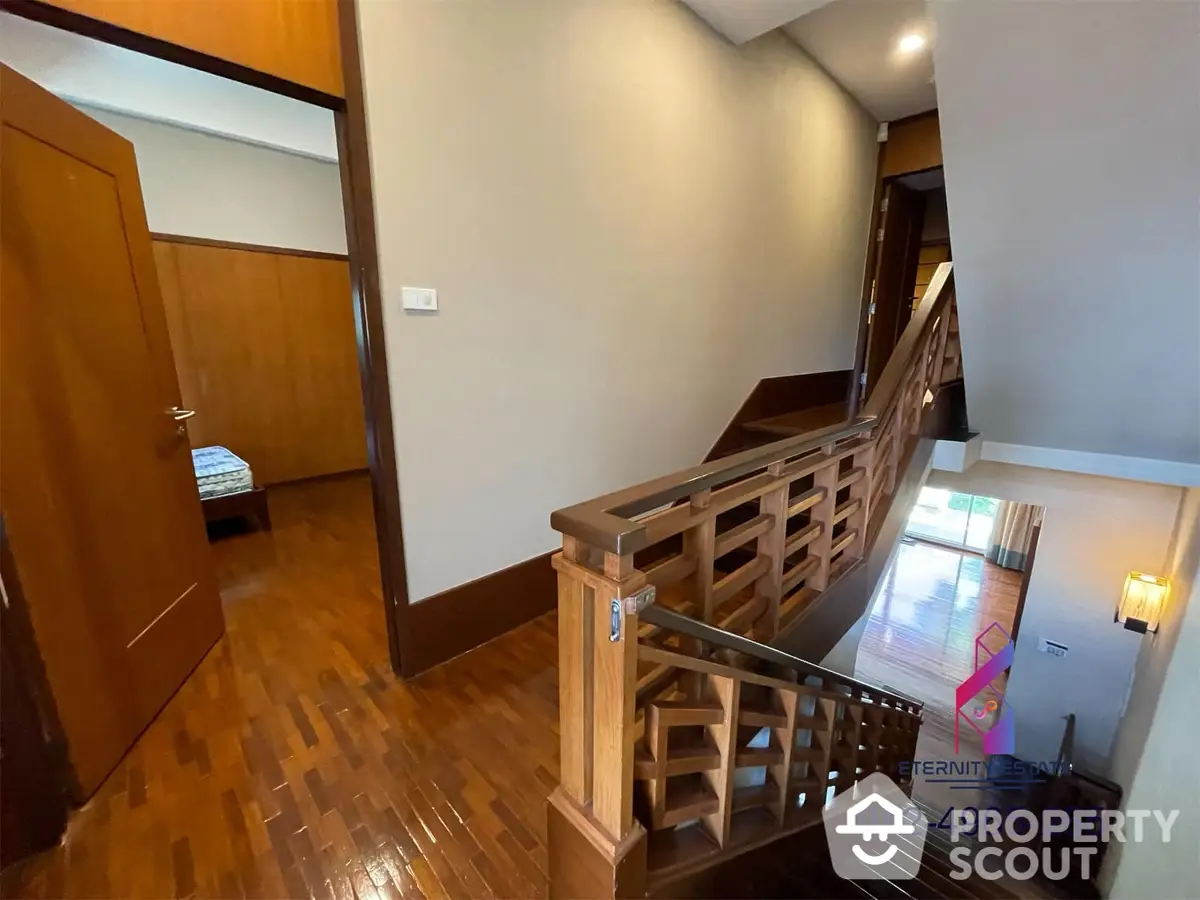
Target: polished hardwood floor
<point>920,640</point>
<point>293,764</point>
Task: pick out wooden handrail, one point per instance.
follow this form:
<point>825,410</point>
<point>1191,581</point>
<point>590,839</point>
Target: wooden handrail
<point>933,301</point>
<point>673,621</point>
<point>609,522</point>
<point>764,533</point>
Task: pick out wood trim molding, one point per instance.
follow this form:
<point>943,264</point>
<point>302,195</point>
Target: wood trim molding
<point>462,618</point>
<point>914,144</point>
<point>358,200</point>
<point>238,245</point>
<point>108,33</point>
<point>868,283</point>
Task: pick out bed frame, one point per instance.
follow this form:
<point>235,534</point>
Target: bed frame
<point>251,504</point>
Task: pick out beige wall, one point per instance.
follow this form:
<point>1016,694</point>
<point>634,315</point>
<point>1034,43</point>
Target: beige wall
<point>1071,137</point>
<point>629,222</point>
<point>1153,757</point>
<point>1095,531</point>
<point>200,185</point>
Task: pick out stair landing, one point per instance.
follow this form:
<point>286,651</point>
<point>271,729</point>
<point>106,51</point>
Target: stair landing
<point>800,421</point>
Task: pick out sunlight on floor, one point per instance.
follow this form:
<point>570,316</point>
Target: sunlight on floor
<point>920,638</point>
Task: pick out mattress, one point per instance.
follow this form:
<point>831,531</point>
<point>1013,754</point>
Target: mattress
<point>220,472</point>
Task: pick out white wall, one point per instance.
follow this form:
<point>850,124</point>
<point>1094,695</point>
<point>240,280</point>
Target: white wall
<point>1152,754</point>
<point>1096,530</point>
<point>204,186</point>
<point>629,222</point>
<point>1071,139</point>
<point>102,75</point>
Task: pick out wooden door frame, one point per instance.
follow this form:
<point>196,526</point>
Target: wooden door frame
<point>362,249</point>
<point>46,779</point>
<point>854,402</point>
<point>909,148</point>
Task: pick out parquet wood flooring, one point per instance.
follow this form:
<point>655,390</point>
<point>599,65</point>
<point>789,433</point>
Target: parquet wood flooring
<point>293,764</point>
<point>920,640</point>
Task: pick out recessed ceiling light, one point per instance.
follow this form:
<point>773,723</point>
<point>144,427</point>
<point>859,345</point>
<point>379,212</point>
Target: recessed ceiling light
<point>911,43</point>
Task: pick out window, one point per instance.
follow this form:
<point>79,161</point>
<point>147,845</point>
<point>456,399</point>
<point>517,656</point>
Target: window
<point>948,517</point>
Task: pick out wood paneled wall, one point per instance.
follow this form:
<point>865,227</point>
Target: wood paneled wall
<point>913,145</point>
<point>265,351</point>
<point>932,255</point>
<point>296,40</point>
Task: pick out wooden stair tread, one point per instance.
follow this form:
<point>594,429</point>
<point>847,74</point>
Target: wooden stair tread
<point>760,715</point>
<point>802,420</point>
<point>808,754</point>
<point>764,794</point>
<point>846,748</point>
<point>687,797</point>
<point>758,756</point>
<point>683,758</point>
<point>688,712</point>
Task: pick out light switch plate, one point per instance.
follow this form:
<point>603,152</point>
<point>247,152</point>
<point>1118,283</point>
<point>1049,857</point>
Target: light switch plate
<point>1054,648</point>
<point>423,299</point>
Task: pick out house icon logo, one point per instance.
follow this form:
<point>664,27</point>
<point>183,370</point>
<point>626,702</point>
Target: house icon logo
<point>875,831</point>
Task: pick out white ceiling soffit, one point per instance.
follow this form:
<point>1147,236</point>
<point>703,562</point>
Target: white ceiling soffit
<point>744,20</point>
<point>856,42</point>
<point>97,74</point>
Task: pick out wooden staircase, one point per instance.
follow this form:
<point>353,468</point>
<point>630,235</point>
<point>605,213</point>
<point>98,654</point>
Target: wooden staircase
<point>739,756</point>
<point>798,867</point>
<point>685,739</point>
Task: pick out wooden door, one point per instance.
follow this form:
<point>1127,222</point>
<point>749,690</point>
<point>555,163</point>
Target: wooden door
<point>895,276</point>
<point>96,484</point>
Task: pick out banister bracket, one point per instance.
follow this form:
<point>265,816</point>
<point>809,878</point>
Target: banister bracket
<point>635,603</point>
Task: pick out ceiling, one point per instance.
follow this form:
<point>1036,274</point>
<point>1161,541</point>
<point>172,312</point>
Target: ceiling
<point>743,20</point>
<point>96,74</point>
<point>855,41</point>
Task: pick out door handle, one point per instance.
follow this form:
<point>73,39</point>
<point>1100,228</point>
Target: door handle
<point>180,414</point>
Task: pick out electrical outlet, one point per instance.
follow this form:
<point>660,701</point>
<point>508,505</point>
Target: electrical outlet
<point>423,299</point>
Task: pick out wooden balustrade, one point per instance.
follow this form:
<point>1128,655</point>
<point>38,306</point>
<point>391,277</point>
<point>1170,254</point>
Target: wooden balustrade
<point>672,750</point>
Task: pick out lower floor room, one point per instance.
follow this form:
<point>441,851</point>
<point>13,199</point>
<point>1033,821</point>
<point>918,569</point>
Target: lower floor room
<point>920,640</point>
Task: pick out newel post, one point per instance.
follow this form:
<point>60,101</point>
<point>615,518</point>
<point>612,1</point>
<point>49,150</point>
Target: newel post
<point>596,847</point>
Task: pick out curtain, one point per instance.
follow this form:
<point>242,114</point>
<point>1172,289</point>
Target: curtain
<point>1011,533</point>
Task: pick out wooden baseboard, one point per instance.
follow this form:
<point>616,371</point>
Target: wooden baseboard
<point>451,623</point>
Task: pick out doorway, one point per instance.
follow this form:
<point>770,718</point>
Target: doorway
<point>962,521</point>
<point>255,342</point>
<point>914,238</point>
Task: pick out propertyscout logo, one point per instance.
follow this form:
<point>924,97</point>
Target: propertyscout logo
<point>999,737</point>
<point>875,831</point>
